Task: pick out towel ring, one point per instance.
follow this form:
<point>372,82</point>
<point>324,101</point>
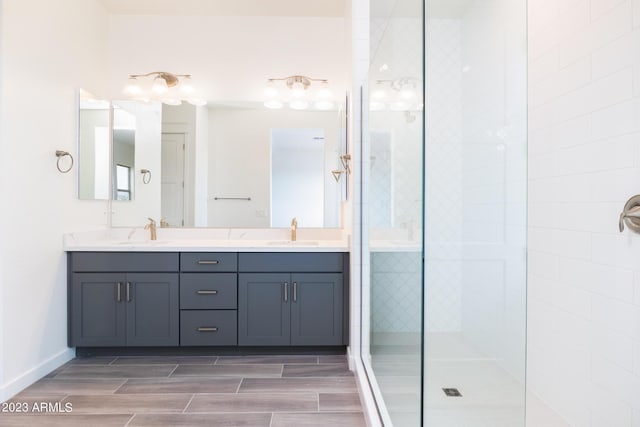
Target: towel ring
<point>146,175</point>
<point>60,154</point>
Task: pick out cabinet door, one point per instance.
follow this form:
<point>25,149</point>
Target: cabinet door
<point>263,309</point>
<point>97,317</point>
<point>152,309</point>
<point>316,309</point>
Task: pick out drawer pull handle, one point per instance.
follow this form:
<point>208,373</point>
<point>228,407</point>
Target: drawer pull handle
<point>119,292</point>
<point>207,329</point>
<point>202,292</point>
<point>295,291</point>
<point>209,262</point>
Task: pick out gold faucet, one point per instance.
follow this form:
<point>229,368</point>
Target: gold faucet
<point>151,227</point>
<point>294,229</point>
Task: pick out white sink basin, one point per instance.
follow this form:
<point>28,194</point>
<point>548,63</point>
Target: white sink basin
<point>145,242</point>
<point>292,243</point>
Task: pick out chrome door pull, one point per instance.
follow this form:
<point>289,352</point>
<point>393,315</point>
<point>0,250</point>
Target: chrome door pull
<point>204,292</point>
<point>209,262</point>
<point>286,291</point>
<point>295,291</point>
<point>119,292</point>
<point>128,291</point>
<point>207,329</point>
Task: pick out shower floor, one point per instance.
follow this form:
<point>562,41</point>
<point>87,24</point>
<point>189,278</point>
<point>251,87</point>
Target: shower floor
<point>491,397</point>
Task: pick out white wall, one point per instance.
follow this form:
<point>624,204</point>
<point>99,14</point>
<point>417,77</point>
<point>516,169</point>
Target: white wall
<point>47,55</point>
<point>584,149</point>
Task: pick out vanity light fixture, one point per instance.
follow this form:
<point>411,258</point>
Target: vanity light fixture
<point>396,95</point>
<point>298,93</point>
<point>168,88</point>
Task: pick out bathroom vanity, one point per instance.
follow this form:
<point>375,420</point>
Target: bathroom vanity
<point>229,299</point>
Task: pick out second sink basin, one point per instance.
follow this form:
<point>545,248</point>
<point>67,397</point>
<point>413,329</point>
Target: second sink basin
<point>292,243</point>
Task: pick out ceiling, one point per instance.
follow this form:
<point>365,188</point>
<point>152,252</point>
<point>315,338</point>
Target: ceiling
<point>308,8</point>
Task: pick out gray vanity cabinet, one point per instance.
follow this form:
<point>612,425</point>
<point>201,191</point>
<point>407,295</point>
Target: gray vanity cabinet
<point>114,301</point>
<point>263,309</point>
<point>208,299</point>
<point>97,311</point>
<point>303,306</point>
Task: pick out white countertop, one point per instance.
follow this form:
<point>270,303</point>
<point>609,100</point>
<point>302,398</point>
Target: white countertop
<point>206,240</point>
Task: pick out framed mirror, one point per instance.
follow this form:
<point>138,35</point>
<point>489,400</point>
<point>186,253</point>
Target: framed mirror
<point>94,147</point>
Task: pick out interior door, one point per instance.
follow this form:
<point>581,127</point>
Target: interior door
<point>172,186</point>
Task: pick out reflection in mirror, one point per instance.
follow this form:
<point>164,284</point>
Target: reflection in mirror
<point>124,137</point>
<point>93,147</point>
<point>242,192</point>
<point>213,167</point>
<point>297,177</point>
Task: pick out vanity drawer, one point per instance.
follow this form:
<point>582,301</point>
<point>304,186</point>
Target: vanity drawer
<point>124,261</point>
<point>208,327</point>
<point>331,262</point>
<point>200,291</point>
<point>208,261</point>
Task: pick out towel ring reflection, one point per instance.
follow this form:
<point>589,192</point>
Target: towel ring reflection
<point>146,175</point>
<point>60,154</point>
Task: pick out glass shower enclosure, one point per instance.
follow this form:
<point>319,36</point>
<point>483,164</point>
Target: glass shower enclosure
<point>444,216</point>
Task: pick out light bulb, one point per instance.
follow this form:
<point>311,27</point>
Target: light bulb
<point>297,90</point>
<point>187,88</point>
<point>159,86</point>
<point>270,90</point>
<point>171,101</point>
<point>197,102</point>
<point>324,105</point>
<point>133,88</point>
<point>273,104</point>
<point>324,92</point>
<point>407,93</point>
<point>298,104</point>
<point>379,94</point>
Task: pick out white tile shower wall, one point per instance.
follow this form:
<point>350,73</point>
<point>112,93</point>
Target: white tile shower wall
<point>443,168</point>
<point>584,148</point>
<point>490,177</point>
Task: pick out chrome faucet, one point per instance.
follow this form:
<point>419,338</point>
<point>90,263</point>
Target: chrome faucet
<point>294,229</point>
<point>152,228</point>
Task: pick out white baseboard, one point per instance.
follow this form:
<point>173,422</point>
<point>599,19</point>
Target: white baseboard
<point>16,385</point>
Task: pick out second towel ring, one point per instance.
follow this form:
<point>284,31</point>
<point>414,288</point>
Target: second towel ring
<point>60,154</point>
<point>146,175</point>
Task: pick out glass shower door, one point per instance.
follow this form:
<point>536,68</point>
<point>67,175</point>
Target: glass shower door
<point>392,212</point>
<point>475,212</point>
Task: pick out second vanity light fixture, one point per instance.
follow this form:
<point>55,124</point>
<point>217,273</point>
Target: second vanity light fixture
<point>168,88</point>
<point>298,93</point>
<point>400,94</point>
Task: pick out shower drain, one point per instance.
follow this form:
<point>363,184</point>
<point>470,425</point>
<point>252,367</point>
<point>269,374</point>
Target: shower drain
<point>452,392</point>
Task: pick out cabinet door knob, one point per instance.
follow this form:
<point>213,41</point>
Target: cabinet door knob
<point>207,329</point>
<point>206,292</point>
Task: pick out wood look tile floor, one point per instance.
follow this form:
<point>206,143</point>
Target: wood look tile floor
<point>225,391</point>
